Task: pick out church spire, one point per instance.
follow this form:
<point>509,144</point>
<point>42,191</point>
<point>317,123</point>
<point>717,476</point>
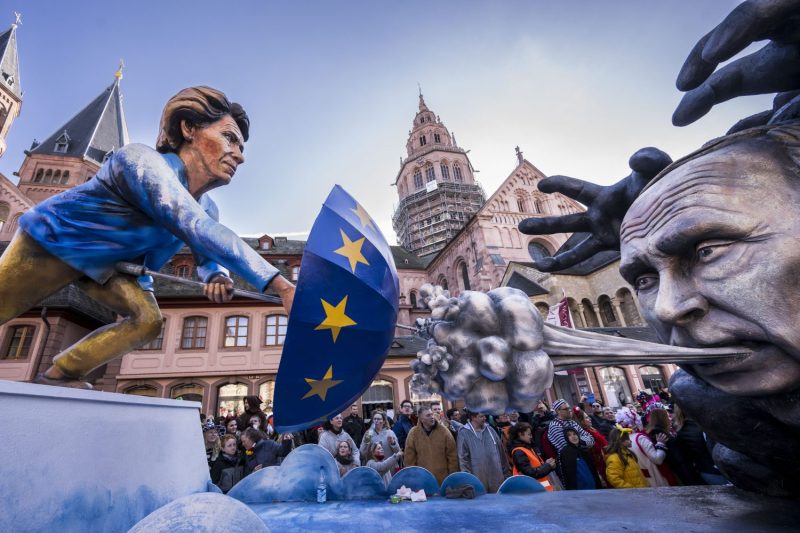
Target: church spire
<point>94,131</point>
<point>9,61</point>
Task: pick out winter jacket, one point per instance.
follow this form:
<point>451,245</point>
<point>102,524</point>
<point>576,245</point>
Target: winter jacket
<point>602,425</point>
<point>576,469</point>
<point>227,471</point>
<point>622,476</point>
<point>481,453</point>
<point>345,467</point>
<point>401,429</point>
<point>266,453</point>
<point>652,460</point>
<point>354,426</point>
<point>330,441</point>
<point>555,433</point>
<point>385,467</point>
<point>526,462</point>
<point>435,450</point>
<point>385,437</point>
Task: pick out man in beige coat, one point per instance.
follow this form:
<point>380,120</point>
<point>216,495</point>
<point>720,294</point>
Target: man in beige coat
<point>431,446</point>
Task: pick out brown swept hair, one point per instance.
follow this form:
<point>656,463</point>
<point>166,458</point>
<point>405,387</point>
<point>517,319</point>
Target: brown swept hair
<point>615,440</point>
<point>198,106</point>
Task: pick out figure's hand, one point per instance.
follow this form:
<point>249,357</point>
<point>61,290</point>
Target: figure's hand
<point>399,454</point>
<point>551,462</point>
<point>219,289</point>
<point>606,207</point>
<point>257,468</point>
<point>285,290</point>
<point>662,438</point>
<point>391,440</point>
<point>773,68</point>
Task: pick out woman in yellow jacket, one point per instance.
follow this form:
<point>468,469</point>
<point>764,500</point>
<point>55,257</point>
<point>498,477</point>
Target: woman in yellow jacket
<point>622,469</point>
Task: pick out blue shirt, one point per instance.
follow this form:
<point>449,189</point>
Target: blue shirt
<point>138,208</point>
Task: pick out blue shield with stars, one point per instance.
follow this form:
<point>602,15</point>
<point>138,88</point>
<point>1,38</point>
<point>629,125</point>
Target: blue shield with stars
<point>343,316</point>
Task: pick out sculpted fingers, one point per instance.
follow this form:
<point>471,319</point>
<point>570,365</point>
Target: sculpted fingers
<point>584,250</point>
<point>549,225</point>
<point>582,191</point>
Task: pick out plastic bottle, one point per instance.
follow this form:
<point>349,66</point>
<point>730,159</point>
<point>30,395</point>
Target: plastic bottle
<point>322,487</point>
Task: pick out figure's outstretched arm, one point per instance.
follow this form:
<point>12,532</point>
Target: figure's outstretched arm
<point>606,207</point>
<point>775,68</point>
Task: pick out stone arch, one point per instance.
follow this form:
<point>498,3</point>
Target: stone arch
<point>574,310</point>
<point>142,386</point>
<point>442,281</point>
<point>538,249</point>
<point>627,303</point>
<point>590,318</point>
<point>188,389</point>
<point>608,314</point>
<point>462,274</point>
<point>543,308</point>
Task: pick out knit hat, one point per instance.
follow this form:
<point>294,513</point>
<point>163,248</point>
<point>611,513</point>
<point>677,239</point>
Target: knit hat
<point>628,418</point>
<point>558,403</point>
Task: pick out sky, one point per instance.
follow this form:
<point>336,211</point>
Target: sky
<point>331,86</point>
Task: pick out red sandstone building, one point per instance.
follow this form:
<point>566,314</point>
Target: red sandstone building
<point>215,354</point>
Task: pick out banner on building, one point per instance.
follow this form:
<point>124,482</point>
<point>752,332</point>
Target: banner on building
<point>559,315</point>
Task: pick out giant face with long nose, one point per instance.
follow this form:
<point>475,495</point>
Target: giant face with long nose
<point>713,251</point>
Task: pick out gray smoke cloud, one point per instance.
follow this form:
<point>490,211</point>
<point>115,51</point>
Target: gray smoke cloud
<point>484,348</point>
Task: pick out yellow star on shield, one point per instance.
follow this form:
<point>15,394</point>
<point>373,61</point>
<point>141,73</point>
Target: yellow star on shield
<point>320,387</point>
<point>352,250</point>
<point>335,319</point>
<point>362,215</point>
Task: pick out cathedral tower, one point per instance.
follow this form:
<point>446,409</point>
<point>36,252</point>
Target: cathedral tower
<point>436,186</point>
<point>75,151</point>
<point>10,90</point>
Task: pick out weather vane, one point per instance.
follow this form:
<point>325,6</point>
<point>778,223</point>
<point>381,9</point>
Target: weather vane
<point>118,73</point>
<point>18,20</point>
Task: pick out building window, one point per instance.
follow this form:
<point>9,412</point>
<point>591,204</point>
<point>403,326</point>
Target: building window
<point>266,391</point>
<point>158,342</point>
<point>537,251</point>
<point>275,330</point>
<point>430,175</point>
<point>48,176</point>
<point>457,173</point>
<point>20,340</point>
<point>183,271</point>
<point>194,332</point>
<point>142,390</point>
<point>418,184</point>
<point>465,276</point>
<point>445,171</point>
<point>39,176</point>
<point>616,386</point>
<point>236,331</point>
<point>5,209</point>
<point>437,138</point>
<point>265,245</point>
<point>521,205</point>
<point>230,399</point>
<point>295,272</point>
<point>422,141</point>
<point>653,378</point>
<point>379,395</point>
<point>609,317</point>
<point>413,299</point>
<point>188,392</point>
<point>62,143</point>
<point>65,177</point>
<point>443,283</point>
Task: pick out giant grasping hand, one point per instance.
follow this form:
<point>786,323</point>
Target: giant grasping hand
<point>606,209</point>
<point>775,68</point>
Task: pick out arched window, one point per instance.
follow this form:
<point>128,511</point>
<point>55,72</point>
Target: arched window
<point>653,378</point>
<point>607,311</point>
<point>465,276</point>
<point>521,205</point>
<point>5,209</point>
<point>437,138</point>
<point>418,184</point>
<point>429,173</point>
<point>183,271</point>
<point>537,206</point>
<point>275,329</point>
<point>230,399</point>
<point>11,226</point>
<point>422,140</point>
<point>413,298</point>
<point>445,170</point>
<point>142,390</point>
<point>616,386</point>
<point>266,391</point>
<point>189,392</point>
<point>424,399</point>
<point>236,331</point>
<point>194,332</point>
<point>57,177</point>
<point>537,251</point>
<point>158,342</point>
<point>442,282</point>
<point>65,177</point>
<point>48,176</point>
<point>457,173</point>
<point>379,395</point>
<point>19,342</point>
<point>39,176</point>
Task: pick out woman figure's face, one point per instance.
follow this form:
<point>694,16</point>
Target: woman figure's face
<point>626,442</point>
<point>344,449</point>
<point>377,422</point>
<point>231,427</point>
<point>212,435</point>
<point>526,436</point>
<point>211,154</point>
<point>230,447</point>
<point>379,449</point>
<point>573,438</point>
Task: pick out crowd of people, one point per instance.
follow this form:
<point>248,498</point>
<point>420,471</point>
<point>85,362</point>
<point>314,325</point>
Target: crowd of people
<point>646,443</point>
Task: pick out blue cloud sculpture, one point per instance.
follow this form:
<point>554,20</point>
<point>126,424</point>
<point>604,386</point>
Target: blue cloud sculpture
<point>294,480</point>
<point>204,512</point>
<point>457,479</point>
<point>414,478</point>
<point>364,483</point>
<point>520,485</point>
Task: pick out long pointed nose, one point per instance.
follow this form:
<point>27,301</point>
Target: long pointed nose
<point>678,301</point>
<point>570,348</point>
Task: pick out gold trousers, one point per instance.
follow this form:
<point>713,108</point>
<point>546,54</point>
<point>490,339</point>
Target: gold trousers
<point>29,273</point>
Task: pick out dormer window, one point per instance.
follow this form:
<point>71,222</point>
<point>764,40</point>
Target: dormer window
<point>62,143</point>
<point>265,245</point>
